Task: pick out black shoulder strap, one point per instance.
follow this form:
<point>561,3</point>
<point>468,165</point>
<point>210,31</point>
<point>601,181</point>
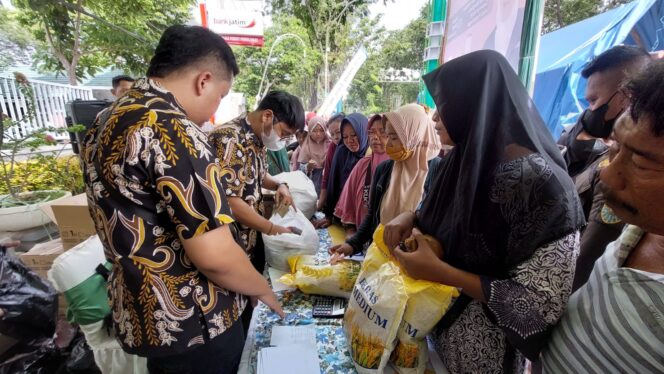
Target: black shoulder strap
<point>136,209</point>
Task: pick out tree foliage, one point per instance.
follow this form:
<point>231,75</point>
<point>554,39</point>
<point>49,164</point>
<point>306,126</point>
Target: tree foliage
<point>288,69</point>
<point>80,37</point>
<point>328,24</point>
<point>397,49</point>
<point>14,39</point>
<point>560,13</point>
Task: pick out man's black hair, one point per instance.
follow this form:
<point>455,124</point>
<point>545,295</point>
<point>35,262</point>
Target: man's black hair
<point>286,107</point>
<point>337,117</point>
<point>616,57</point>
<point>119,78</point>
<point>181,46</point>
<point>647,96</point>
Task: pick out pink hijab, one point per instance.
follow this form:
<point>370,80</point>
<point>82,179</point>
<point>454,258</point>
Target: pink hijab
<point>309,149</point>
<point>417,134</point>
<point>351,208</point>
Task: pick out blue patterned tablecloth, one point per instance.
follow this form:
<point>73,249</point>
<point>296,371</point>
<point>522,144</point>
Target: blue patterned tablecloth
<point>332,349</point>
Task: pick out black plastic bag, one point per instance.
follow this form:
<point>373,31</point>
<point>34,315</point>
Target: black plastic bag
<point>32,359</point>
<point>68,353</point>
<point>81,359</point>
<point>28,303</point>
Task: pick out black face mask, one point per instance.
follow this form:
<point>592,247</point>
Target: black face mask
<point>594,123</point>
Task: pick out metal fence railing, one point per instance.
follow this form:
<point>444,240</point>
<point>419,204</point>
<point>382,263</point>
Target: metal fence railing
<point>50,99</point>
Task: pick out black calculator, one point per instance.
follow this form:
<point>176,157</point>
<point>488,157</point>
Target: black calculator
<point>329,307</point>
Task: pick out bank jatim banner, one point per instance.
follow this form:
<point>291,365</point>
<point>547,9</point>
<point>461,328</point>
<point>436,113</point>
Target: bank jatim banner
<point>237,27</point>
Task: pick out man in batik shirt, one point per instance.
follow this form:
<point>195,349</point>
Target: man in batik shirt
<point>155,195</point>
<point>241,148</point>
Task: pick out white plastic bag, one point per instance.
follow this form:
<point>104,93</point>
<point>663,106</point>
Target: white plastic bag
<point>278,248</point>
<point>302,189</point>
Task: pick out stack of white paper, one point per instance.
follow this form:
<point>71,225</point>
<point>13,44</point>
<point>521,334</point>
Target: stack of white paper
<point>292,359</point>
<point>293,351</point>
<point>293,335</point>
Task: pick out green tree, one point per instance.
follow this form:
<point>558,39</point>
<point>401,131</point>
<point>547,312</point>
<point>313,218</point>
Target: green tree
<point>366,92</point>
<point>288,69</point>
<point>79,37</point>
<point>560,13</point>
<point>403,49</point>
<point>399,49</point>
<point>327,23</point>
<point>14,39</point>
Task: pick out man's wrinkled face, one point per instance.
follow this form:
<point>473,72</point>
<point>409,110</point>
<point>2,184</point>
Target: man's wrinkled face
<point>633,183</point>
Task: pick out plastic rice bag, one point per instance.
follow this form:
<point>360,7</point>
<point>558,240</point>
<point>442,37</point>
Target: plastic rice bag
<point>383,292</point>
<point>329,280</point>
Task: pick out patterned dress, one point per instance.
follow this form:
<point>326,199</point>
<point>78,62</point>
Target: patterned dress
<point>243,161</point>
<point>523,306</point>
<point>152,180</point>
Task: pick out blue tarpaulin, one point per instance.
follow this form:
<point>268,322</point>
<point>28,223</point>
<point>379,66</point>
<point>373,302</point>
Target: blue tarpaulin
<point>559,87</point>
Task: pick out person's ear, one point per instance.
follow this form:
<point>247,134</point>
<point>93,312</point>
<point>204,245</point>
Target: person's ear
<point>268,116</point>
<point>112,92</point>
<point>203,82</point>
<point>624,101</point>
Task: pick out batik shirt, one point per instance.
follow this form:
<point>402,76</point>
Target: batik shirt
<point>243,161</point>
<point>167,188</point>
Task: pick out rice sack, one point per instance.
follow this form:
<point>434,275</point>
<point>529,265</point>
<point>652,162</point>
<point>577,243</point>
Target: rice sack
<point>426,303</point>
<point>374,312</point>
<point>330,280</point>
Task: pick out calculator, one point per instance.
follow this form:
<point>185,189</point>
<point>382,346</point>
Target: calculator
<point>329,307</point>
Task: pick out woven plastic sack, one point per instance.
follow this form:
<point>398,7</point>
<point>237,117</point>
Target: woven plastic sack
<point>415,306</point>
<point>374,312</point>
<point>427,304</point>
<point>329,280</point>
<point>74,274</point>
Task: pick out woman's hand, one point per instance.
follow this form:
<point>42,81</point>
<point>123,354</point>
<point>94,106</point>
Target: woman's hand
<point>311,165</point>
<point>341,249</point>
<point>399,229</point>
<point>423,263</point>
<point>322,223</point>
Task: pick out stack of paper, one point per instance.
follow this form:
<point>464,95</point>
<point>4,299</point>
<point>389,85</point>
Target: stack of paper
<point>292,359</point>
<point>294,351</point>
<point>293,335</point>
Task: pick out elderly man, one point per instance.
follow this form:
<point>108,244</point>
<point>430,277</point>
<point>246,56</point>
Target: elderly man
<point>615,323</point>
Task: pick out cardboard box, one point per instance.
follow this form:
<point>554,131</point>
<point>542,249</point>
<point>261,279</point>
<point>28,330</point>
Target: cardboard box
<point>40,259</point>
<point>73,219</point>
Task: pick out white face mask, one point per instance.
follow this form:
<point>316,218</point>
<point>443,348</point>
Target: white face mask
<point>272,142</point>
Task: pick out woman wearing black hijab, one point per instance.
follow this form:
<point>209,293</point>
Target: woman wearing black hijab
<point>506,213</point>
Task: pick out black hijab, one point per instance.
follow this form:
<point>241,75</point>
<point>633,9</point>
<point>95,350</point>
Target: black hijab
<point>503,191</point>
